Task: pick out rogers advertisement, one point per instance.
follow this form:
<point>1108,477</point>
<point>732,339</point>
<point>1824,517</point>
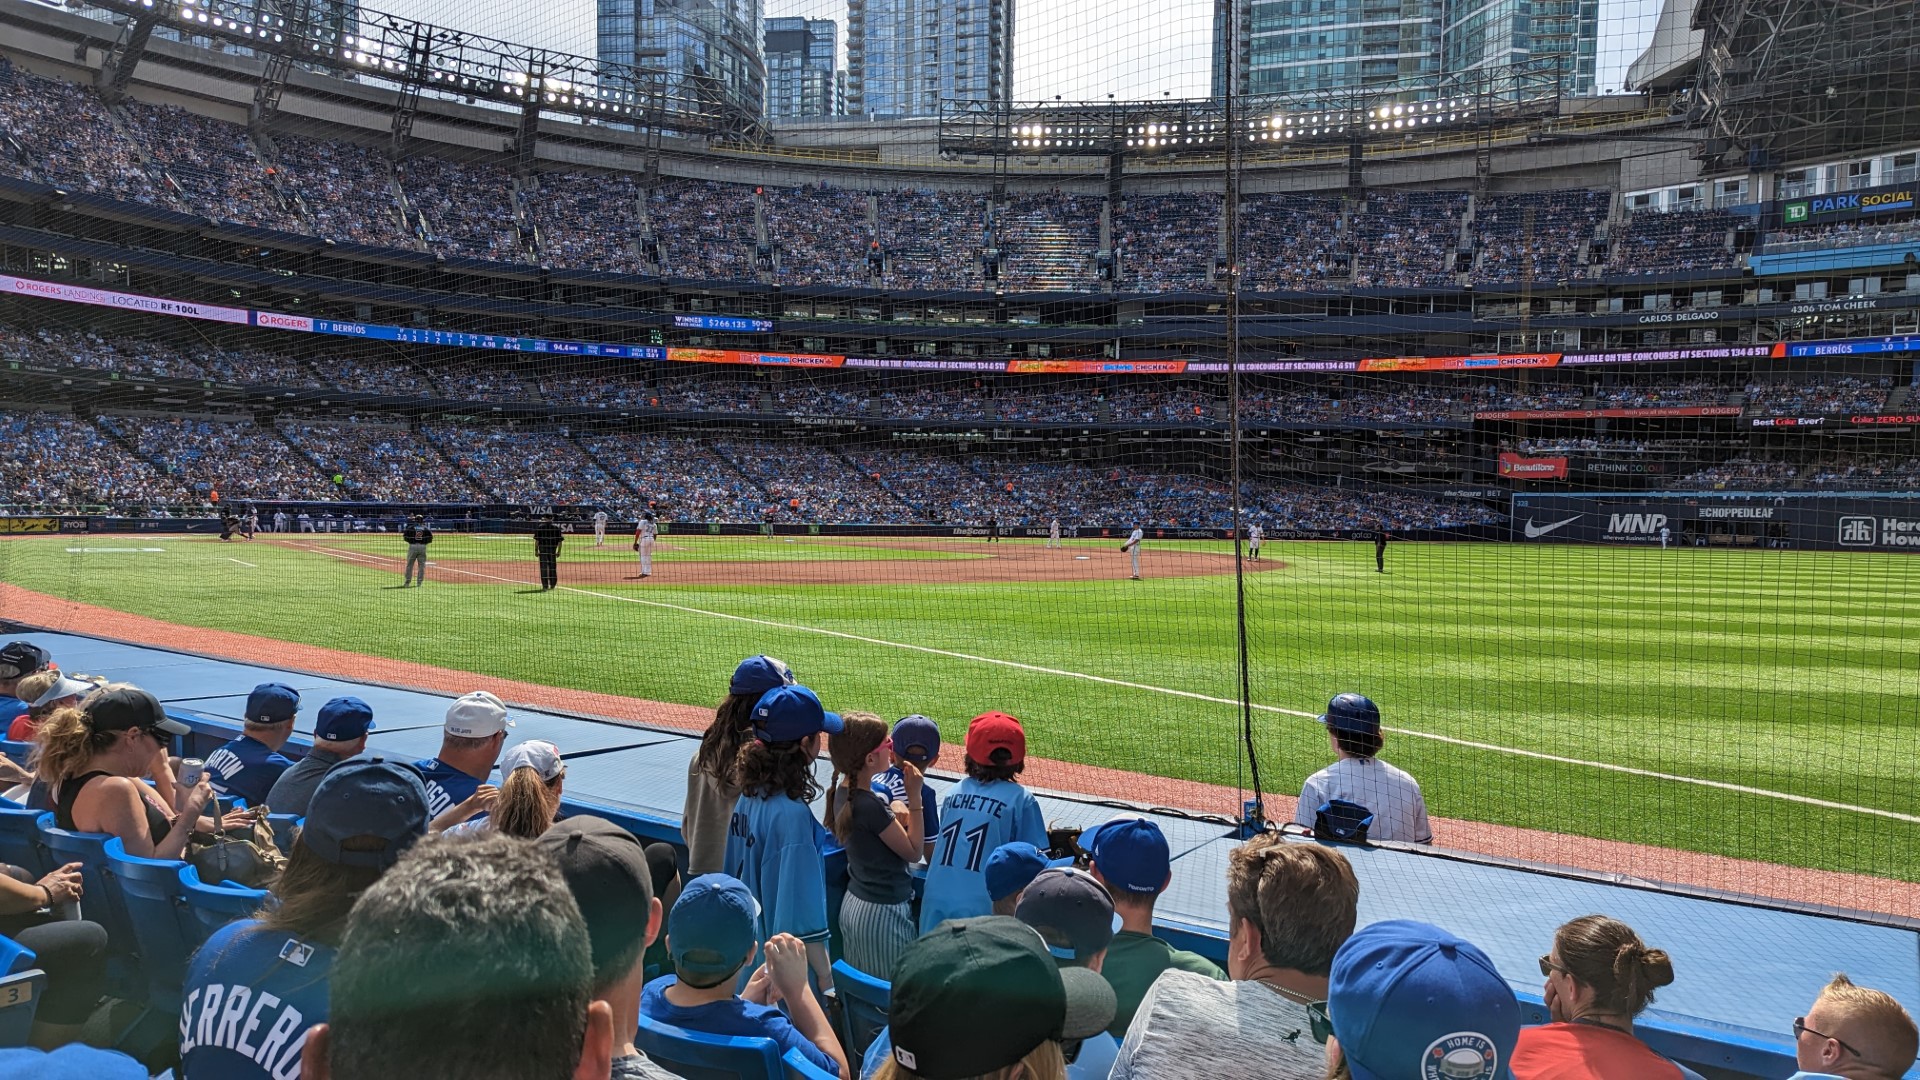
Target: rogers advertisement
<point>1533,468</point>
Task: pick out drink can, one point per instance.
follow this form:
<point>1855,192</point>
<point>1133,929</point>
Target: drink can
<point>192,771</point>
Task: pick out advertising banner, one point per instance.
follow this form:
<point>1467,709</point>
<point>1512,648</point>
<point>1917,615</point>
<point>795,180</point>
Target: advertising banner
<point>1846,205</point>
<point>1460,363</point>
<point>1610,414</point>
<point>1533,468</point>
<point>1799,520</point>
<point>14,526</point>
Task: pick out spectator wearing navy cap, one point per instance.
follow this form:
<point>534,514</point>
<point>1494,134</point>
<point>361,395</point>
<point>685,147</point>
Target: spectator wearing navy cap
<point>1074,914</point>
<point>1131,858</point>
<point>1360,778</point>
<point>916,741</point>
<point>273,969</point>
<point>1290,906</point>
<point>18,659</point>
<point>1409,1001</point>
<point>987,809</point>
<point>339,732</point>
<point>711,791</point>
<point>248,766</point>
<point>773,842</point>
<point>713,935</point>
<point>1010,869</point>
<point>470,741</point>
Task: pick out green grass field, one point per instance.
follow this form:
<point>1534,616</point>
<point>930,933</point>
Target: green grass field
<point>1608,692</point>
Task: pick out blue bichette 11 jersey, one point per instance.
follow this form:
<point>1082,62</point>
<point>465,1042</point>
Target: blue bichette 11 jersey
<point>975,818</point>
<point>249,998</point>
<point>773,847</point>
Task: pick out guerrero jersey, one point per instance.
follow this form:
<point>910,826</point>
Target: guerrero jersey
<point>250,997</point>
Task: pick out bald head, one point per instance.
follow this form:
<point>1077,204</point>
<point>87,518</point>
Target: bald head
<point>1857,1032</point>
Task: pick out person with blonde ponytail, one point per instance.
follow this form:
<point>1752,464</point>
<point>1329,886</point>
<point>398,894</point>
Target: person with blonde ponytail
<point>532,777</point>
<point>876,918</point>
<point>90,757</point>
<point>1600,975</point>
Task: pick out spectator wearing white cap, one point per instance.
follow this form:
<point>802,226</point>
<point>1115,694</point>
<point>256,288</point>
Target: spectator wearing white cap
<point>531,778</point>
<point>339,732</point>
<point>45,691</point>
<point>1130,856</point>
<point>475,730</point>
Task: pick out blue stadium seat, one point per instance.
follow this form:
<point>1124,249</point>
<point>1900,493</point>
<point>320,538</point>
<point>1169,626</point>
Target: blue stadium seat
<point>284,826</point>
<point>708,1057</point>
<point>164,932</point>
<point>21,985</point>
<point>864,1002</point>
<point>20,840</point>
<point>799,1068</point>
<point>18,751</point>
<point>211,907</point>
<point>100,897</point>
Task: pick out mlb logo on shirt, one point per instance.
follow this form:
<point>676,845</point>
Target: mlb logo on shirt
<point>296,953</point>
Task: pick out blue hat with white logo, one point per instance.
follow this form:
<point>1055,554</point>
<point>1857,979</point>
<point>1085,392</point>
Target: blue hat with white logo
<point>791,713</point>
<point>343,719</point>
<point>1131,854</point>
<point>714,927</point>
<point>365,813</point>
<point>1410,1001</point>
<point>272,703</point>
<point>759,674</point>
<point>1012,867</point>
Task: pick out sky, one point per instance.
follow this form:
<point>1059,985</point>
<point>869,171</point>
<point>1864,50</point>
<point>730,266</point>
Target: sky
<point>1075,49</point>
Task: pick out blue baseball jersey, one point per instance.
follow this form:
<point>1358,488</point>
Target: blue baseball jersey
<point>446,785</point>
<point>11,709</point>
<point>734,1018</point>
<point>773,847</point>
<point>246,768</point>
<point>249,998</point>
<point>975,819</point>
<point>891,786</point>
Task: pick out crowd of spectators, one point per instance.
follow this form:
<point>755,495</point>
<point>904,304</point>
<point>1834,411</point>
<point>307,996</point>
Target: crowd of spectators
<point>533,468</point>
<point>347,190</point>
<point>381,462</point>
<point>1656,394</point>
<point>1407,238</point>
<point>820,234</point>
<point>69,137</point>
<point>210,163</point>
<point>466,208</point>
<point>60,347</point>
<point>233,460</point>
<point>1536,235</point>
<point>587,221</point>
<point>53,461</point>
<point>1859,471</point>
<point>1657,243</point>
<point>1833,394</point>
<point>682,479</point>
<point>1168,243</point>
<point>932,239</point>
<point>1047,241</point>
<point>809,483</point>
<point>704,230</point>
<point>1292,242</point>
<point>1746,470</point>
<point>1842,234</point>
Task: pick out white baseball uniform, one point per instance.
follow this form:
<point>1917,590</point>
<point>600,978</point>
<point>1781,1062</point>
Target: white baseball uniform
<point>1132,547</point>
<point>1053,534</point>
<point>1254,537</point>
<point>599,528</point>
<point>643,536</point>
<point>1665,535</point>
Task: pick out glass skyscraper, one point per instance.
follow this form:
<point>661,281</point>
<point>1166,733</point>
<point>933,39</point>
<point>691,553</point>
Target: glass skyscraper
<point>712,47</point>
<point>907,57</point>
<point>802,76</point>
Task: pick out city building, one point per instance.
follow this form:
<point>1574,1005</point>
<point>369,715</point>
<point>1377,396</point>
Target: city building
<point>908,57</point>
<point>803,77</point>
<point>712,47</point>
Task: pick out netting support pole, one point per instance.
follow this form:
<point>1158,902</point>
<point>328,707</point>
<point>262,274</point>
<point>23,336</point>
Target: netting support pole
<point>1254,808</point>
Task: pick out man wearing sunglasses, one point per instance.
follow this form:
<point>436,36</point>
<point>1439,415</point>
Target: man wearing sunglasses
<point>1854,1033</point>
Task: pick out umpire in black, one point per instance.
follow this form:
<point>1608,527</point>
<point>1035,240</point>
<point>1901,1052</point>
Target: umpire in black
<point>546,548</point>
<point>418,534</point>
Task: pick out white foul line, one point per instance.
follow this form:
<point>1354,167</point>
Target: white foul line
<point>1628,770</point>
<point>248,565</point>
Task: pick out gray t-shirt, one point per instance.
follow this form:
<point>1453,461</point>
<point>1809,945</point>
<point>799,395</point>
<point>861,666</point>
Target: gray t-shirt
<point>1192,1026</point>
<point>639,1067</point>
<point>294,790</point>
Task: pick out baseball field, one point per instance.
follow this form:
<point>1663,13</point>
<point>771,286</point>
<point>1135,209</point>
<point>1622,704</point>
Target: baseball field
<point>1757,704</point>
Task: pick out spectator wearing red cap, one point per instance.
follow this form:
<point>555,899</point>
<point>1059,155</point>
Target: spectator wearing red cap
<point>987,809</point>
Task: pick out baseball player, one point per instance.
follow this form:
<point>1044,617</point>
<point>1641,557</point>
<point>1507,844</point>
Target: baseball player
<point>599,528</point>
<point>1665,535</point>
<point>1254,538</point>
<point>1380,539</point>
<point>418,534</point>
<point>1053,533</point>
<point>252,523</point>
<point>643,535</point>
<point>1132,547</point>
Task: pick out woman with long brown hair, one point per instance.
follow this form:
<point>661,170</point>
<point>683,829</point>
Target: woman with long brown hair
<point>1599,976</point>
<point>876,918</point>
<point>711,791</point>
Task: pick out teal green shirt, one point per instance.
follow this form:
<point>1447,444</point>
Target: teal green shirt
<point>1134,961</point>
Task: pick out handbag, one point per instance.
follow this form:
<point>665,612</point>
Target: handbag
<point>1341,820</point>
<point>245,855</point>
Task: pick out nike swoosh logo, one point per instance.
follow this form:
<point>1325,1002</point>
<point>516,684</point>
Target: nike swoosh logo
<point>1535,532</point>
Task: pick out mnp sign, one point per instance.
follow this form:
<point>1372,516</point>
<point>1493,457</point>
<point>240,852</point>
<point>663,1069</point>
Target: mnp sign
<point>1800,520</point>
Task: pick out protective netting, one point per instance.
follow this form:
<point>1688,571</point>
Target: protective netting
<point>1589,459</point>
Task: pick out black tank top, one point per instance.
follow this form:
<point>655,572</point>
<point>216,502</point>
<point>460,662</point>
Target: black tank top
<point>157,824</point>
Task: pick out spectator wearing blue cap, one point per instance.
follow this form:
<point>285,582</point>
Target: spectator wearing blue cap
<point>713,934</point>
<point>711,791</point>
<point>74,1062</point>
<point>1010,869</point>
<point>273,969</point>
<point>1409,1001</point>
<point>1290,906</point>
<point>1130,856</point>
<point>247,767</point>
<point>340,732</point>
<point>773,842</point>
<point>1359,778</point>
<point>916,742</point>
